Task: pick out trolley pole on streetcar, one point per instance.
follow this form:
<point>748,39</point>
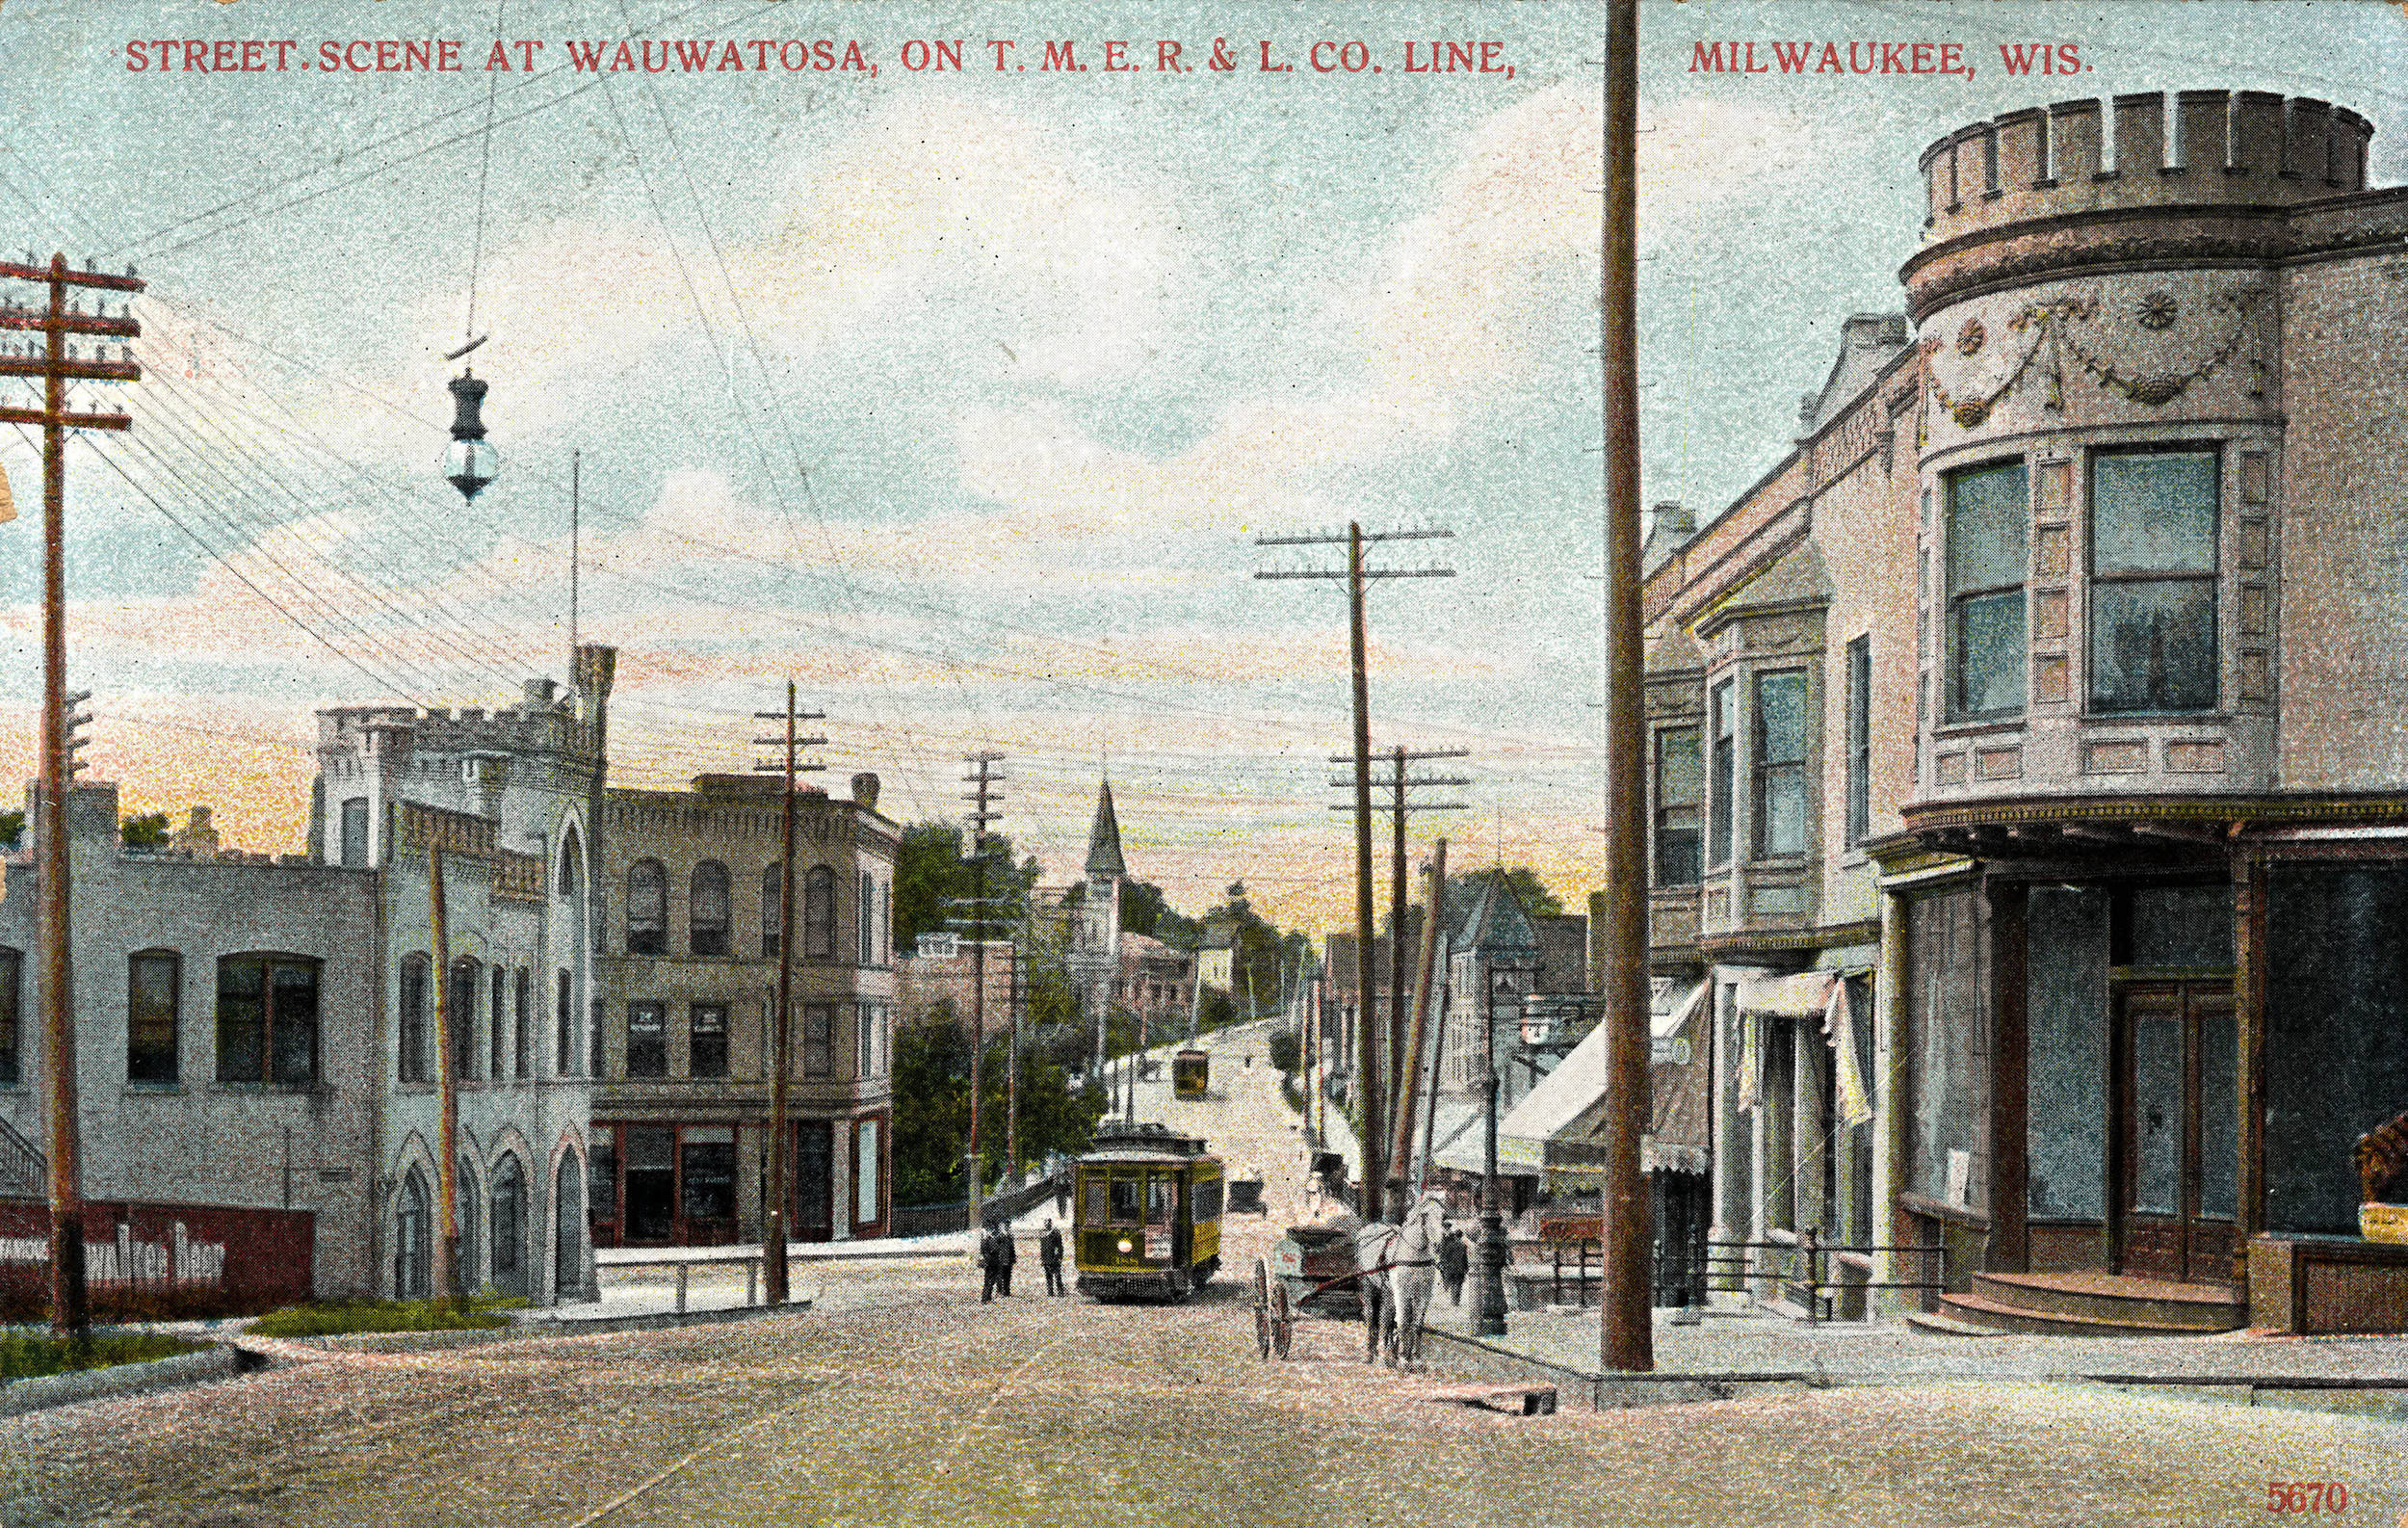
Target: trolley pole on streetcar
<point>780,1194</point>
<point>55,365</point>
<point>1369,1051</point>
<point>1626,1337</point>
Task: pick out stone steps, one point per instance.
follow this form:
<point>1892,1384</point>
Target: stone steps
<point>2094,1306</point>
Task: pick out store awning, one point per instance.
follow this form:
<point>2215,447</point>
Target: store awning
<point>1803,995</point>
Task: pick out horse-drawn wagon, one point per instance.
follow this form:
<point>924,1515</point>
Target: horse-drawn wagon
<point>1348,1269</point>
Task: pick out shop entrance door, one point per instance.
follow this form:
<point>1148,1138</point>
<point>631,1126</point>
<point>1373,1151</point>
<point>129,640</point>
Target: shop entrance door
<point>2178,1132</point>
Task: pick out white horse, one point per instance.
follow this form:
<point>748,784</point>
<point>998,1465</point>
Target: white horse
<point>1398,1268</point>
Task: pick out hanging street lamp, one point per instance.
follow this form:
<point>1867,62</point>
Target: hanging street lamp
<point>470,463</point>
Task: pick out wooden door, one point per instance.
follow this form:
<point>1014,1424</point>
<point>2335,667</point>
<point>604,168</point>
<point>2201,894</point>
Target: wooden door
<point>2178,1132</point>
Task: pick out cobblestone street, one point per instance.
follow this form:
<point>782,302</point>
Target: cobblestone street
<point>900,1399</point>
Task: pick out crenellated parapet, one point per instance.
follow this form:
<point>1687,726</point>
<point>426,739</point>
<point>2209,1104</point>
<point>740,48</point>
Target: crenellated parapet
<point>2197,177</point>
<point>2194,148</point>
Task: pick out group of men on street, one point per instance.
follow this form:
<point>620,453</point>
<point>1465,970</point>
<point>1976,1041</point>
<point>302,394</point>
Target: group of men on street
<point>998,1253</point>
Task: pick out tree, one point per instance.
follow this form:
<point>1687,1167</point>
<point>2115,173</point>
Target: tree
<point>1287,1052</point>
<point>932,1104</point>
<point>1144,909</point>
<point>12,828</point>
<point>931,873</point>
<point>149,831</point>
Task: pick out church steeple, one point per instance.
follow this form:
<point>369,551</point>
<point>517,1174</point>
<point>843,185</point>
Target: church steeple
<point>1102,840</point>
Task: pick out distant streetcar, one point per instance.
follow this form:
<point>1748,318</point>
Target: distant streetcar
<point>1190,1073</point>
<point>1146,1215</point>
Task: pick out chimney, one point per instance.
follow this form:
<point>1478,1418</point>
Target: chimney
<point>864,791</point>
<point>197,837</point>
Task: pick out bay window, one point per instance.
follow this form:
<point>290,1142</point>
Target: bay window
<point>2152,563</point>
<point>1723,778</point>
<point>1680,791</point>
<point>1989,523</point>
<point>1780,764</point>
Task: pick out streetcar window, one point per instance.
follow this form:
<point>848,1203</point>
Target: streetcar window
<point>1208,1200</point>
<point>1096,1192</point>
<point>1162,1200</point>
<point>1124,1201</point>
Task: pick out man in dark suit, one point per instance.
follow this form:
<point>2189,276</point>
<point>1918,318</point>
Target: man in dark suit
<point>1005,1255</point>
<point>989,1264</point>
<point>1049,1252</point>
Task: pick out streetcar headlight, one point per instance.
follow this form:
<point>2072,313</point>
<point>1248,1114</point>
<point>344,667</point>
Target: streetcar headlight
<point>1124,1244</point>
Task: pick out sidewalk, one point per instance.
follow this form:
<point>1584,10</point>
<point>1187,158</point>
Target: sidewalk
<point>1743,1345</point>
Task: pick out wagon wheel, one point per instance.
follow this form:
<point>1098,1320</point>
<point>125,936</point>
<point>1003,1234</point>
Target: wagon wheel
<point>1263,1287</point>
<point>1282,1320</point>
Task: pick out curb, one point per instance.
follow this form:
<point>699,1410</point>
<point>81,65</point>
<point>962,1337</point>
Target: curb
<point>1603,1392</point>
<point>220,1362</point>
<point>653,1321</point>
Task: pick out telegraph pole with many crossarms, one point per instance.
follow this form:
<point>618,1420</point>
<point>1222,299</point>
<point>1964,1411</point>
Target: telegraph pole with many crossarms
<point>56,364</point>
<point>779,1195</point>
<point>983,779</point>
<point>1358,578</point>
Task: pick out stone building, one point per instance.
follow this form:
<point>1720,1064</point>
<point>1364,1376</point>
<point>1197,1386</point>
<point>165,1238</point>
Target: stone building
<point>2028,778</point>
<point>947,968</point>
<point>257,1032</point>
<point>691,941</point>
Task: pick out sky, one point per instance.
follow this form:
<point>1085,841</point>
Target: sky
<point>961,397</point>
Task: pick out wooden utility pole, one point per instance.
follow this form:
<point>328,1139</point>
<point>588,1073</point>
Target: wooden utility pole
<point>1369,1051</point>
<point>983,779</point>
<point>1626,1330</point>
<point>1409,1077</point>
<point>56,366</point>
<point>448,1285</point>
<point>780,1195</point>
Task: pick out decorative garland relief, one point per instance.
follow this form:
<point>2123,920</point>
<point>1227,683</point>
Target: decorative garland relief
<point>2060,328</point>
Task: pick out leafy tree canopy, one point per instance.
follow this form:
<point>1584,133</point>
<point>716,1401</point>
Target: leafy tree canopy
<point>931,871</point>
<point>12,828</point>
<point>149,831</point>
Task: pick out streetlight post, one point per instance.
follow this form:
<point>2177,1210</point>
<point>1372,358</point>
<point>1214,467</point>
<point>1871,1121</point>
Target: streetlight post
<point>1491,1322</point>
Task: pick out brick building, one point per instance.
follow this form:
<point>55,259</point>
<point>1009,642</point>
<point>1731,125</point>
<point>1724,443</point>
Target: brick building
<point>688,966</point>
<point>2029,779</point>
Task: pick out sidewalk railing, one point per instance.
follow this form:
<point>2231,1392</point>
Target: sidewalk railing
<point>1801,1263</point>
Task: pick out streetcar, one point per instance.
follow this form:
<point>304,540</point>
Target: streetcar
<point>1146,1214</point>
<point>1190,1073</point>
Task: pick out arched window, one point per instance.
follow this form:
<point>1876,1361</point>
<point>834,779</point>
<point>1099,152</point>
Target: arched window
<point>647,908</point>
<point>471,1274</point>
<point>706,908</point>
<point>568,1220</point>
<point>523,1019</point>
<point>772,908</point>
<point>509,1227</point>
<point>563,1019</point>
<point>572,851</point>
<point>497,1027</point>
<point>413,1015</point>
<point>865,913</point>
<point>412,1239</point>
<point>819,913</point>
<point>462,1014</point>
<point>12,1012</point>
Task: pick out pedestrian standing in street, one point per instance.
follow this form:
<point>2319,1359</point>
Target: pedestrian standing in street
<point>1062,1196</point>
<point>989,1264</point>
<point>1005,1255</point>
<point>1454,1260</point>
<point>1049,1252</point>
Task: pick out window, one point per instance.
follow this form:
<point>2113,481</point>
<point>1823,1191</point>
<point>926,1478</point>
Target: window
<point>498,1027</point>
<point>818,1024</point>
<point>152,980</point>
<point>647,908</point>
<point>1859,740</point>
<point>521,1014</point>
<point>1680,790</point>
<point>706,1040</point>
<point>355,833</point>
<point>12,980</point>
<point>563,1021</point>
<point>1780,795</point>
<point>2153,556</point>
<point>648,1039</point>
<point>772,908</point>
<point>866,912</point>
<point>267,1019</point>
<point>819,913</point>
<point>460,1015</point>
<point>706,908</point>
<point>867,1162</point>
<point>864,1029</point>
<point>886,924</point>
<point>413,1013</point>
<point>1989,514</point>
<point>594,1037</point>
<point>510,1227</point>
<point>569,853</point>
<point>1723,780</point>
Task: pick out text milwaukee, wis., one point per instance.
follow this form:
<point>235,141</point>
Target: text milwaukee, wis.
<point>1907,58</point>
<point>818,54</point>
